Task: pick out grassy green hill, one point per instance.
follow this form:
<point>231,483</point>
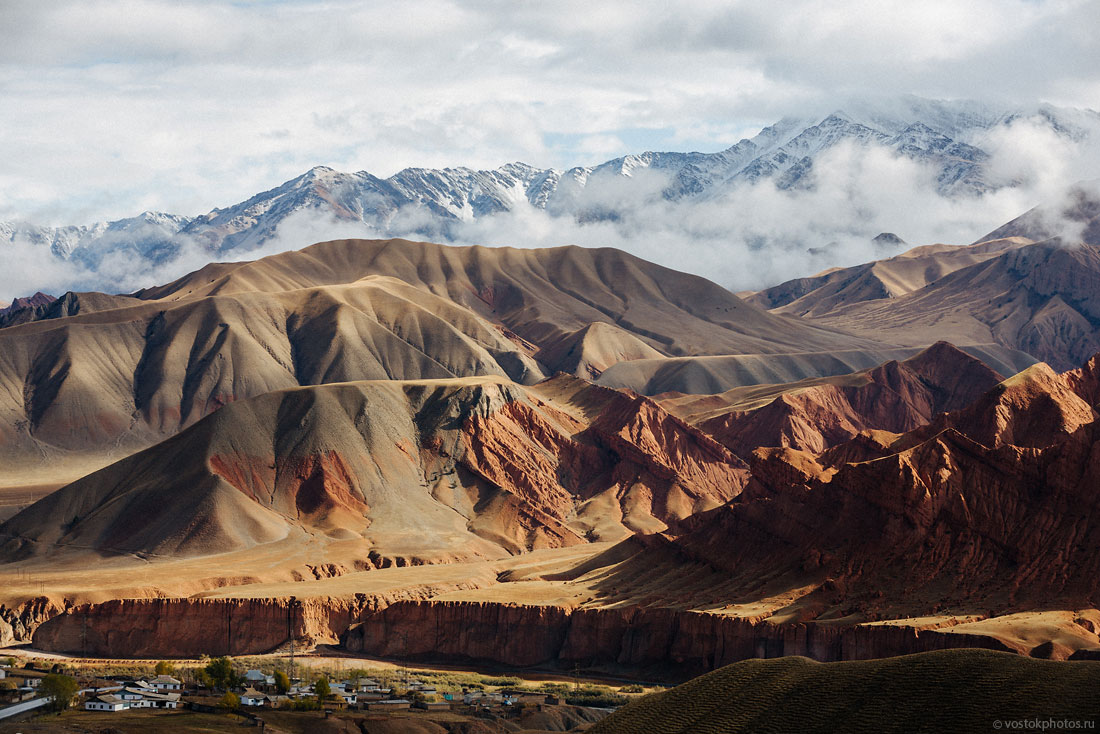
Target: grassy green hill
<point>945,691</point>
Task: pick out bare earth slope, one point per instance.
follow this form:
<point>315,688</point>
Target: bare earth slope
<point>541,295</point>
<point>714,374</point>
<point>404,472</point>
<point>890,278</point>
<point>1041,299</point>
<point>97,381</point>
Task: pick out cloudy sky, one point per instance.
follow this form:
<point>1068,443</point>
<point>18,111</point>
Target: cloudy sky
<point>117,106</point>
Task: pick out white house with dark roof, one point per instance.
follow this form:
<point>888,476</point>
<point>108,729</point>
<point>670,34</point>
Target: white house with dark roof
<point>106,702</point>
<point>142,695</point>
<point>166,683</point>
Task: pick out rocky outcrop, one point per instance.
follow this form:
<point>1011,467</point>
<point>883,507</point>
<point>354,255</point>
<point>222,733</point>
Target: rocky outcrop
<point>895,397</point>
<point>20,621</point>
<point>989,508</point>
<point>195,627</point>
<point>675,641</point>
<point>687,642</point>
<point>22,310</point>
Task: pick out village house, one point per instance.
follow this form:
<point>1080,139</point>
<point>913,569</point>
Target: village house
<point>136,695</point>
<point>257,678</point>
<point>252,697</point>
<point>433,705</point>
<point>274,700</point>
<point>389,704</point>
<point>362,685</point>
<point>141,694</point>
<point>105,702</point>
<point>166,683</point>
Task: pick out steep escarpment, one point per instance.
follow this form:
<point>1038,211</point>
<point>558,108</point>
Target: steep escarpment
<point>196,627</point>
<point>678,642</point>
<point>425,471</point>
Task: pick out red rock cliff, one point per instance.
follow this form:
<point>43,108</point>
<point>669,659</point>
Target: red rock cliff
<point>673,640</point>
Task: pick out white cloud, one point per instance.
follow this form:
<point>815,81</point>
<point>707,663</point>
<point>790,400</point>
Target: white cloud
<point>117,106</point>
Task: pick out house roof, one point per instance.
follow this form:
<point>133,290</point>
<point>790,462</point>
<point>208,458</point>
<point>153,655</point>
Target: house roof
<point>152,694</point>
<point>166,679</point>
<point>109,698</point>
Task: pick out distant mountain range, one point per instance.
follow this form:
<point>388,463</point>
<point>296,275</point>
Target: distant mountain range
<point>430,203</point>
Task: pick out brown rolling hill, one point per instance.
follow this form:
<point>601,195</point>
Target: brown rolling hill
<point>1076,218</point>
<point>398,472</point>
<point>1040,298</point>
<point>1030,285</point>
<point>540,294</point>
<point>707,375</point>
<point>890,278</point>
<point>96,377</point>
<point>943,691</point>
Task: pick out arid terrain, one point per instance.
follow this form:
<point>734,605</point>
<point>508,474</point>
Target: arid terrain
<point>558,458</point>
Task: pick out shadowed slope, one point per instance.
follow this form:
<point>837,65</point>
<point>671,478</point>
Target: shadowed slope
<point>944,691</point>
<point>932,520</point>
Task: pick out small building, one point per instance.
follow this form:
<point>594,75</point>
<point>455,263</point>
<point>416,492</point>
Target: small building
<point>350,697</point>
<point>433,705</point>
<point>141,695</point>
<point>252,697</point>
<point>166,683</point>
<point>275,700</point>
<point>389,704</point>
<point>258,678</point>
<point>106,702</point>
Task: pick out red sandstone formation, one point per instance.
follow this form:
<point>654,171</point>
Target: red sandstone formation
<point>991,507</point>
<point>672,640</point>
<point>195,627</point>
<point>368,460</point>
<point>895,397</point>
<point>675,641</point>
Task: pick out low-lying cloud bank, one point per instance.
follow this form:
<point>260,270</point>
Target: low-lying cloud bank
<point>746,237</point>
